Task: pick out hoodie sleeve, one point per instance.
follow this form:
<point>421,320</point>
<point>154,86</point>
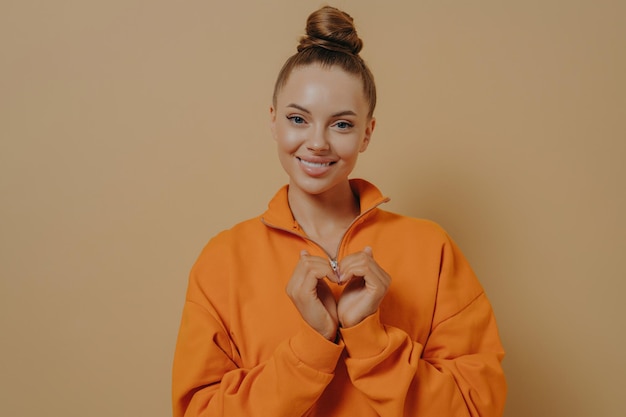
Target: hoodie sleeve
<point>457,372</point>
<point>207,377</point>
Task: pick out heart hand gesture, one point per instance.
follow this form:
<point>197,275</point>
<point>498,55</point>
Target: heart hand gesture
<point>366,285</point>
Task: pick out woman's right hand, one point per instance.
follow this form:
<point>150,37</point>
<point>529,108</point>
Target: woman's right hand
<point>312,296</point>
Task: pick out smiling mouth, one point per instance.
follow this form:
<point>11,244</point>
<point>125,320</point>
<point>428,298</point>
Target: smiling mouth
<point>316,164</point>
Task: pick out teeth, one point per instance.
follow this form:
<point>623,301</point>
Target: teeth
<point>315,164</point>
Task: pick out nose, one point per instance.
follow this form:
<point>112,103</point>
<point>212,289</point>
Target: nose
<point>318,141</point>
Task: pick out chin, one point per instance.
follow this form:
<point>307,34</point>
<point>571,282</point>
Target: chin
<point>316,186</point>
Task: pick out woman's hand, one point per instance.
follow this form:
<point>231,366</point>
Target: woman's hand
<point>312,296</point>
<point>366,286</point>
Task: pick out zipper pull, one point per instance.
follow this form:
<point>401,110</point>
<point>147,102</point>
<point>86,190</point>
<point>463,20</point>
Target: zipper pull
<point>333,264</point>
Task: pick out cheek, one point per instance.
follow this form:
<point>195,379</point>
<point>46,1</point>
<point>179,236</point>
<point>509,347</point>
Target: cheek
<point>348,148</point>
<point>288,140</point>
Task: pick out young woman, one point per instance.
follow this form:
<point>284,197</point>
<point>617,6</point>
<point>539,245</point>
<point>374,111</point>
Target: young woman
<point>327,305</point>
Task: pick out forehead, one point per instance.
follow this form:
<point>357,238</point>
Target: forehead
<point>317,87</point>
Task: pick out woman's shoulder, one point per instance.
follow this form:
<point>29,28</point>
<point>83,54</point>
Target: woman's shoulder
<point>410,225</point>
<point>245,229</point>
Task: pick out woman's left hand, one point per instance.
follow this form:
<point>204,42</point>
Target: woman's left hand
<point>366,286</point>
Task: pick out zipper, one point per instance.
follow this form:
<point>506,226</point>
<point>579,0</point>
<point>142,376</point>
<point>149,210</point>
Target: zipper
<point>334,262</point>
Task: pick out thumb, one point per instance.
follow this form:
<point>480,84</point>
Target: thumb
<point>304,252</point>
<point>368,250</point>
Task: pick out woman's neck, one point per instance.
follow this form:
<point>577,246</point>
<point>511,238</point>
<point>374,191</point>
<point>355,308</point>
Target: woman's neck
<point>324,216</point>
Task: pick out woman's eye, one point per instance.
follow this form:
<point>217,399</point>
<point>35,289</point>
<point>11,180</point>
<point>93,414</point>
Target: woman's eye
<point>296,119</point>
<point>343,125</point>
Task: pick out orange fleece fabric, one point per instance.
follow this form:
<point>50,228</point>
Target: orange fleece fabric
<point>432,348</point>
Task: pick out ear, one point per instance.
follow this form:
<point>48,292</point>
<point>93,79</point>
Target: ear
<point>273,121</point>
<point>369,130</point>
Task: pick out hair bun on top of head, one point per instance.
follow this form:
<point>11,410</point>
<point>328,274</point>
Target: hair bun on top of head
<point>331,29</point>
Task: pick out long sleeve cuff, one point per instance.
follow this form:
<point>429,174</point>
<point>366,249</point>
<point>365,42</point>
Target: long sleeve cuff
<point>314,350</point>
<point>366,339</point>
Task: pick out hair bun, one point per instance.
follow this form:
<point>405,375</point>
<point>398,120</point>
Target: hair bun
<point>331,29</point>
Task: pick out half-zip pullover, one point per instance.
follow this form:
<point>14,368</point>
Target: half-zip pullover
<point>432,348</point>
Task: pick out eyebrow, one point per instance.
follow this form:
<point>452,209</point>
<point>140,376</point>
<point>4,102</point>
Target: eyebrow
<point>339,114</point>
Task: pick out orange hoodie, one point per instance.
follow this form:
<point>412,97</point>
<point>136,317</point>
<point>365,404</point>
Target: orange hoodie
<point>432,349</point>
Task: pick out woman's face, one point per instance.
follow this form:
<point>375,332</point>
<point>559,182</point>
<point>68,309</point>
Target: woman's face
<point>320,124</point>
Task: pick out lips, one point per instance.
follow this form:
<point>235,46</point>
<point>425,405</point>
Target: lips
<point>315,164</point>
<point>315,168</point>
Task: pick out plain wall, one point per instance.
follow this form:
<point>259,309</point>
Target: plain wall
<point>132,131</point>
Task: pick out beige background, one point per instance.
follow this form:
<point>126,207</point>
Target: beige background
<point>132,131</point>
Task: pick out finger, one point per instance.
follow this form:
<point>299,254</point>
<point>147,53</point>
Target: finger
<point>312,263</point>
<point>354,271</point>
<point>362,265</point>
<point>369,251</point>
<point>305,275</point>
<point>351,265</point>
<point>317,267</point>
